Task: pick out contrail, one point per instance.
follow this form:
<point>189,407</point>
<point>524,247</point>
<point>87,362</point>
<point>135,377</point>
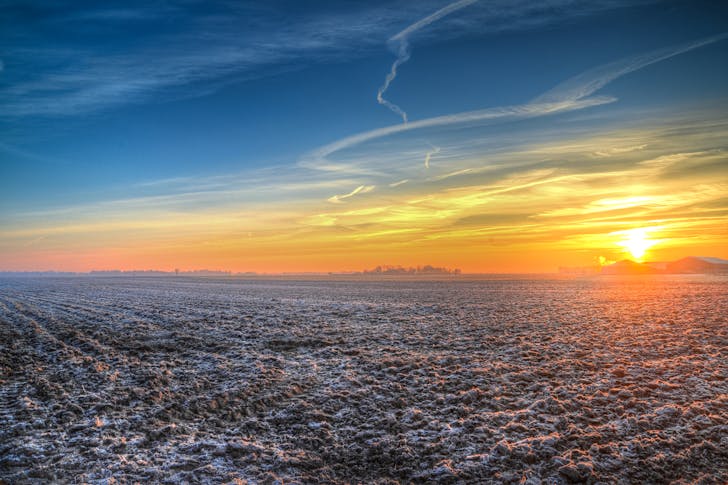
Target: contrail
<point>402,57</point>
<point>403,51</point>
<point>435,150</point>
<point>317,158</point>
<point>573,94</point>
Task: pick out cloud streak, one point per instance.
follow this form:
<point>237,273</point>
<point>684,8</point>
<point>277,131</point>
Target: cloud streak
<point>435,150</point>
<point>403,50</point>
<point>318,160</point>
<point>197,55</point>
<point>362,189</point>
<point>573,94</point>
<point>595,79</point>
<point>49,74</point>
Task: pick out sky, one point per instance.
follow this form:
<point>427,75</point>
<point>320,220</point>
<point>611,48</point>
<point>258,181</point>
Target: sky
<point>291,136</point>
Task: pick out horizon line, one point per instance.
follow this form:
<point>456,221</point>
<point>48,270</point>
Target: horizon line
<point>381,270</point>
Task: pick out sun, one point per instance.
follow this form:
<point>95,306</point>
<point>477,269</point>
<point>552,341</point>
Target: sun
<point>637,242</point>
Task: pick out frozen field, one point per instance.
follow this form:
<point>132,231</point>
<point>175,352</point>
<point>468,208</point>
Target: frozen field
<point>507,381</point>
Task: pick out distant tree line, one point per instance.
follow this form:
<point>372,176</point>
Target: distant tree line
<point>400,270</point>
<point>152,272</point>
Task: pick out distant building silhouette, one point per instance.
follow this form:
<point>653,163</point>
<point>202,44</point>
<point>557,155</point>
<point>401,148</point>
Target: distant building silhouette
<point>691,264</point>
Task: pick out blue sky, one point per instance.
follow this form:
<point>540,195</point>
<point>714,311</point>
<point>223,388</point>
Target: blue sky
<point>105,103</point>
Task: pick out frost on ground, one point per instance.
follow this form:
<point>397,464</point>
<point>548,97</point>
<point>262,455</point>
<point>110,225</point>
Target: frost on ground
<point>507,381</point>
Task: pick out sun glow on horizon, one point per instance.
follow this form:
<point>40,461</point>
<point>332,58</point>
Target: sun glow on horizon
<point>637,243</point>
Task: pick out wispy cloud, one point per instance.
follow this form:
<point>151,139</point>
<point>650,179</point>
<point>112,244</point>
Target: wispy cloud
<point>120,55</point>
<point>456,173</point>
<point>403,50</point>
<point>362,189</point>
<point>318,160</point>
<point>619,150</point>
<point>495,17</point>
<point>435,150</point>
<point>123,54</point>
<point>595,79</point>
<point>573,94</point>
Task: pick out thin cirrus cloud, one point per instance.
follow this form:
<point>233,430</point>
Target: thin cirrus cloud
<point>494,18</point>
<point>195,54</point>
<point>573,94</point>
<point>79,78</point>
<point>196,192</point>
<point>362,189</point>
<point>593,80</point>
